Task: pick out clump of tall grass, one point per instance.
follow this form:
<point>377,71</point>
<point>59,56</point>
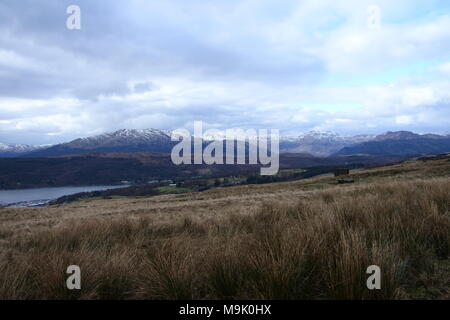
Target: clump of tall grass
<point>319,248</point>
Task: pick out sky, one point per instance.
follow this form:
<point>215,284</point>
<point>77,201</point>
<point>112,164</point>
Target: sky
<point>349,66</point>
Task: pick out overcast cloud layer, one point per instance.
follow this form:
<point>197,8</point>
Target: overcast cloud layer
<point>292,65</point>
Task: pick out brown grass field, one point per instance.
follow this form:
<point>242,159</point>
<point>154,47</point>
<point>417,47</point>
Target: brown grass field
<point>308,239</point>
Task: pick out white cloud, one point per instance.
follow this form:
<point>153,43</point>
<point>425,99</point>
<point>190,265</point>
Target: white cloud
<point>404,119</point>
<point>231,64</point>
<point>444,69</point>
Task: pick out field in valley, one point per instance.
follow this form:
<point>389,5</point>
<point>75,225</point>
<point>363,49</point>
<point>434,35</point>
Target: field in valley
<point>308,239</point>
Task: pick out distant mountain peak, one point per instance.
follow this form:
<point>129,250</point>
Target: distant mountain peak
<point>405,135</point>
<point>134,132</point>
<point>320,134</point>
<point>123,140</point>
<point>401,143</point>
<point>124,136</point>
<point>320,143</point>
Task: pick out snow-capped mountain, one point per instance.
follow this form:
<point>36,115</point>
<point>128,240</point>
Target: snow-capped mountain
<point>125,140</point>
<point>400,143</point>
<point>406,135</point>
<point>127,136</point>
<point>316,143</point>
<point>13,150</point>
<point>320,143</point>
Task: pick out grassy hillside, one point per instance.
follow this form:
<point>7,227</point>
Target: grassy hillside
<point>309,239</point>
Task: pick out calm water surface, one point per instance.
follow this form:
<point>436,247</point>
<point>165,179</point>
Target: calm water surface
<point>8,197</point>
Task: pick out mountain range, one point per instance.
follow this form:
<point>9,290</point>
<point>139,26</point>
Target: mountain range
<point>400,143</point>
<point>320,143</point>
<point>143,155</point>
<point>315,143</point>
<point>125,140</point>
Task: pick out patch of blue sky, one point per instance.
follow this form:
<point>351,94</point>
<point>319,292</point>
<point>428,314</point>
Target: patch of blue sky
<point>331,24</point>
<point>421,12</point>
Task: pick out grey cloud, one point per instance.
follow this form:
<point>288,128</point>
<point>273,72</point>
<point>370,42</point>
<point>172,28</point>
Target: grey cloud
<point>230,63</point>
<point>144,87</point>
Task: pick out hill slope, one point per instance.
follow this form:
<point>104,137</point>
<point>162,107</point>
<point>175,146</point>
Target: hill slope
<point>310,239</point>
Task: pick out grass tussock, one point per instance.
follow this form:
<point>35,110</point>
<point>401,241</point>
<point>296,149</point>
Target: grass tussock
<point>317,248</point>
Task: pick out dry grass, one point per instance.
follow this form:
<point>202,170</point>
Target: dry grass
<point>239,244</point>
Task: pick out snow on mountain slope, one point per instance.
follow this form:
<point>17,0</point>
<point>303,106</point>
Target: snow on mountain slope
<point>320,143</point>
<point>125,140</point>
<point>121,137</point>
<point>12,150</point>
<point>400,143</point>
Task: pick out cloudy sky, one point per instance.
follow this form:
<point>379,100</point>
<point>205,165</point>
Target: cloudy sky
<point>292,65</point>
